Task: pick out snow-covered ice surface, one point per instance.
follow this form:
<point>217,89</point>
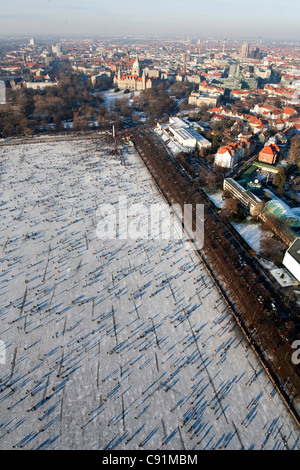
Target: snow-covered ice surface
<point>115,345</point>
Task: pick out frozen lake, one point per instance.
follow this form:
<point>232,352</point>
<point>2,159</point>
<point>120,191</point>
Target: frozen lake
<point>114,344</point>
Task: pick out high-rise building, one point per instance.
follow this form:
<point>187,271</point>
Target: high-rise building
<point>255,54</point>
<point>224,45</point>
<point>245,50</point>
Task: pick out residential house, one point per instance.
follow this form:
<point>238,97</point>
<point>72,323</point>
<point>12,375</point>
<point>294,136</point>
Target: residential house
<point>269,154</point>
<point>228,155</point>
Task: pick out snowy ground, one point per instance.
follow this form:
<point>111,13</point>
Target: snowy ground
<point>115,345</point>
<point>217,198</point>
<point>110,96</point>
<point>251,232</point>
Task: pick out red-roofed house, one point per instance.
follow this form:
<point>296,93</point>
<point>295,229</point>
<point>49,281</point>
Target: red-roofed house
<point>289,112</point>
<point>269,154</point>
<point>268,111</point>
<point>228,155</point>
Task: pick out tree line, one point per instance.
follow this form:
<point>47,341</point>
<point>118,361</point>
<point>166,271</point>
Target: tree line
<point>74,98</point>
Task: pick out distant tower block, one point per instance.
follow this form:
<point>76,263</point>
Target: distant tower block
<point>245,52</point>
<point>31,42</point>
<point>2,93</point>
<point>224,45</point>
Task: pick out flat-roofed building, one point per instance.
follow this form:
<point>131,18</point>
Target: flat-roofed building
<point>249,200</point>
<point>183,133</point>
<point>189,137</point>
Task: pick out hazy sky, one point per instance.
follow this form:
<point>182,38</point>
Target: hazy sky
<point>274,19</point>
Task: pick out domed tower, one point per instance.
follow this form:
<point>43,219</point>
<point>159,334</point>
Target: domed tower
<point>136,68</point>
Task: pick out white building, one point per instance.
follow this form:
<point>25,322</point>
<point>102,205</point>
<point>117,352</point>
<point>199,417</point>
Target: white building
<point>57,49</point>
<point>291,259</point>
<point>264,73</point>
<point>186,135</point>
<point>200,99</point>
<point>39,85</point>
<point>228,155</point>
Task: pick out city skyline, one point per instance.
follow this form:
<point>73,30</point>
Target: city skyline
<point>277,20</point>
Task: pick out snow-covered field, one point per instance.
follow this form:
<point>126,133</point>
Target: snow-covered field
<point>115,345</point>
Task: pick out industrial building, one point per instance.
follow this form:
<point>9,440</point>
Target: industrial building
<point>189,137</point>
<point>183,133</point>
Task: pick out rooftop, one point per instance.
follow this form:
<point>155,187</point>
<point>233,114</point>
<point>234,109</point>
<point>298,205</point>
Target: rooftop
<point>294,250</point>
